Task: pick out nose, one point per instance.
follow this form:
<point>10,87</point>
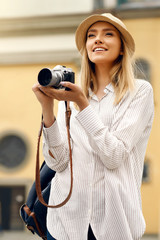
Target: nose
<point>98,39</point>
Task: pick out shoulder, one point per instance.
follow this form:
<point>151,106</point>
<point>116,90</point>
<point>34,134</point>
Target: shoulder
<point>143,88</point>
<point>143,92</point>
<point>143,85</point>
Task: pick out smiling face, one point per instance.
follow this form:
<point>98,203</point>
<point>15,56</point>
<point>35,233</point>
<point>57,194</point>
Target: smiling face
<point>103,43</point>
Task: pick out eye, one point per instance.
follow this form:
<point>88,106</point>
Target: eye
<point>109,34</point>
<point>90,35</point>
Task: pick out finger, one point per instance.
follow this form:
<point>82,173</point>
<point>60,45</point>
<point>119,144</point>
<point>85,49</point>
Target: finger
<point>50,92</point>
<point>35,87</point>
<point>68,85</point>
<point>46,89</point>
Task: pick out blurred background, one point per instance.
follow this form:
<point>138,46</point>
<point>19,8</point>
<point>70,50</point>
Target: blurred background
<point>35,34</point>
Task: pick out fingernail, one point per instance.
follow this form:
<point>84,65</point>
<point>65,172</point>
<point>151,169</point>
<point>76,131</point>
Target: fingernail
<point>62,83</point>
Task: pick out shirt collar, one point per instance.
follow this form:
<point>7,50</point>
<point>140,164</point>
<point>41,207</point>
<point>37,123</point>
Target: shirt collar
<point>109,88</point>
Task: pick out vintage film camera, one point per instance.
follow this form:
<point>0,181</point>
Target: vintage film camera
<point>47,77</point>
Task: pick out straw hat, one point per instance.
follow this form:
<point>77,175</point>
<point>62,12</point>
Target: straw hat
<point>82,29</point>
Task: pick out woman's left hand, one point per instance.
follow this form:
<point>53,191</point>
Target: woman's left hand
<point>75,94</point>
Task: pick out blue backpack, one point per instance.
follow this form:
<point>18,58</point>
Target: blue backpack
<point>33,212</point>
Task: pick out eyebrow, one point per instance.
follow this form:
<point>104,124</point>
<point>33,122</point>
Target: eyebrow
<point>105,29</point>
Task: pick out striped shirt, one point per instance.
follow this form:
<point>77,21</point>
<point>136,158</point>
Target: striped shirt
<point>108,148</point>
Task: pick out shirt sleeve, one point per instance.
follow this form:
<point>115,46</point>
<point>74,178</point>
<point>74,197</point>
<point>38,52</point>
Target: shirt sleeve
<point>114,146</point>
<point>55,143</point>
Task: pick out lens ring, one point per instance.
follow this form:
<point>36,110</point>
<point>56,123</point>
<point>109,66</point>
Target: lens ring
<point>44,76</point>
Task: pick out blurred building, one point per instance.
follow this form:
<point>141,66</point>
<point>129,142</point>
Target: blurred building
<point>36,34</point>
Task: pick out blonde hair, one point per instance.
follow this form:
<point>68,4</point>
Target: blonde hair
<point>122,74</point>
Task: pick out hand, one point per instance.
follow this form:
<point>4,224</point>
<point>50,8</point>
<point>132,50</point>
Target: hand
<point>41,96</point>
<point>46,103</point>
<point>75,94</point>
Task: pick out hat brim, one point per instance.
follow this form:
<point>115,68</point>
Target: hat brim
<point>80,35</point>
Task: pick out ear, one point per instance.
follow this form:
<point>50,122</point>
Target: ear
<point>121,49</point>
<point>121,52</point>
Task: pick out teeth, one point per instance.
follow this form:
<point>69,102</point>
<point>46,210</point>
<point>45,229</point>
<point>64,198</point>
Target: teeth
<point>99,49</point>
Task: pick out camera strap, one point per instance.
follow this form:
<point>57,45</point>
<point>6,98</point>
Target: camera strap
<point>37,177</point>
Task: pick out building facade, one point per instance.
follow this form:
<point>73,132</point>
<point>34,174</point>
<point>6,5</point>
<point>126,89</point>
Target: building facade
<point>35,34</point>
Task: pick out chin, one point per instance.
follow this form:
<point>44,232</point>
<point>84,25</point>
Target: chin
<point>102,60</point>
<point>99,61</point>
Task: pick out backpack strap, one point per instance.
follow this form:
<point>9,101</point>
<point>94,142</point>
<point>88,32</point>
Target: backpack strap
<point>32,214</point>
<point>37,177</point>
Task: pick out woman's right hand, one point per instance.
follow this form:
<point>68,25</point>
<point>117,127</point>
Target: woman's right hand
<point>42,98</point>
<point>47,104</point>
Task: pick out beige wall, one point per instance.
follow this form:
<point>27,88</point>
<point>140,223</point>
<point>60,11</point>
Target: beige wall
<point>21,113</point>
<point>146,33</point>
<point>22,8</point>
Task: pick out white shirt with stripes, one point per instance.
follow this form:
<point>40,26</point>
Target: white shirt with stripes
<point>108,149</point>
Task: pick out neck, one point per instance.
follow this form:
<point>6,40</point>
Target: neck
<point>102,75</point>
<point>103,78</point>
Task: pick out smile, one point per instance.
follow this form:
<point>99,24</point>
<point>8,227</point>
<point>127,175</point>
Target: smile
<point>99,49</point>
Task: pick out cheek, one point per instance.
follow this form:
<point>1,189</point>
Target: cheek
<point>88,49</point>
<point>87,46</point>
<point>119,47</point>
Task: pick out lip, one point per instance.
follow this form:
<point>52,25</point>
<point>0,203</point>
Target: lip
<point>99,49</point>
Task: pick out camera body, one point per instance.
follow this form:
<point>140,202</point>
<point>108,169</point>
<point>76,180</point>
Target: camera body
<point>47,77</point>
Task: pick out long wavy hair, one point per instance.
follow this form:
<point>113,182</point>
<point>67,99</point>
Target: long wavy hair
<point>122,73</point>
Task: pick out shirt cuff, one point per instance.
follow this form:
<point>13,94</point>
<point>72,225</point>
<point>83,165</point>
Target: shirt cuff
<point>51,135</point>
<point>89,120</point>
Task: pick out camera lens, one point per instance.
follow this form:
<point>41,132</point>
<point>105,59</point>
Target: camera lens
<point>44,77</point>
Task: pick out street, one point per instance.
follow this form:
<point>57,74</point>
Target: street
<point>26,235</point>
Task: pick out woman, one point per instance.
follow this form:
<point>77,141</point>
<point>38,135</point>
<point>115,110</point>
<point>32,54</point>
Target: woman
<point>111,121</point>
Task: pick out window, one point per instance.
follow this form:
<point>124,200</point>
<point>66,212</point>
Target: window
<point>146,172</point>
<point>136,1</point>
<point>142,69</point>
<point>104,4</point>
<point>13,151</point>
<point>139,3</point>
<point>98,4</point>
<point>11,199</point>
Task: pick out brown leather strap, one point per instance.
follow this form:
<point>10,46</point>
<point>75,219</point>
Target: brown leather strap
<point>32,214</point>
<point>38,184</point>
